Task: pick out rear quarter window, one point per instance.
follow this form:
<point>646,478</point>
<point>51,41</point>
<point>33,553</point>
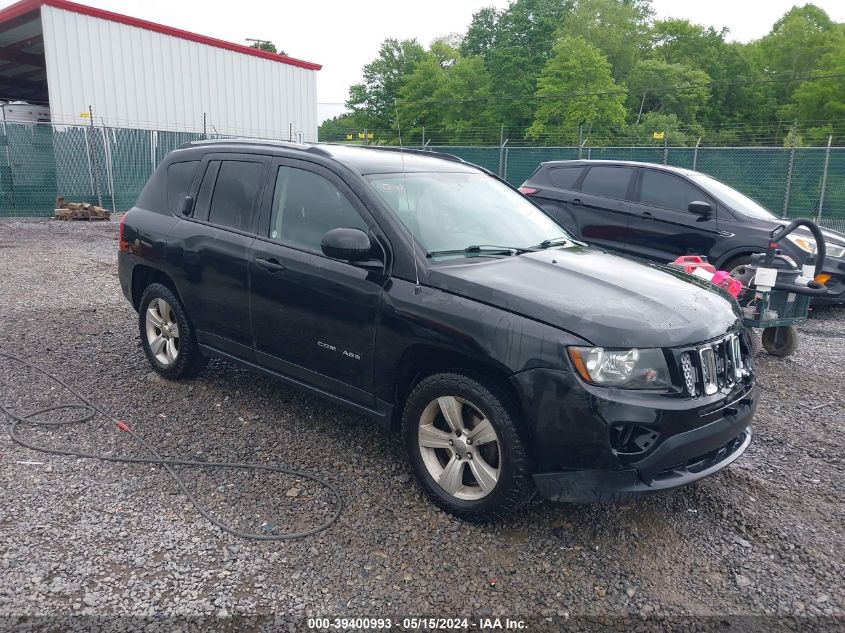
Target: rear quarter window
<point>564,177</point>
<point>179,179</point>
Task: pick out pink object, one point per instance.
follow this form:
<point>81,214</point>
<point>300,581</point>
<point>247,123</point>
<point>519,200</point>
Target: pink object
<point>723,279</point>
<point>691,262</point>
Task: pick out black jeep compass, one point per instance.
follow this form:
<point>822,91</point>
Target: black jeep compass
<point>429,295</point>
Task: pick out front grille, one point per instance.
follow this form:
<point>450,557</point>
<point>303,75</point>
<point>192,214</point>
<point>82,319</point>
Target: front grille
<point>713,366</point>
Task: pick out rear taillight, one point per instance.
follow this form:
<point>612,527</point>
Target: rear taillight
<point>528,191</point>
<point>122,244</point>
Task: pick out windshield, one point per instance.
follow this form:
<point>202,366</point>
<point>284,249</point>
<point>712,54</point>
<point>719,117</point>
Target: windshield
<point>449,212</point>
<point>734,199</point>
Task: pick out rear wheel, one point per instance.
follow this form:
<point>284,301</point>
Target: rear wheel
<point>466,448</point>
<point>166,335</point>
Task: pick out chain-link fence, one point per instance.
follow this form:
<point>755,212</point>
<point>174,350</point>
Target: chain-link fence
<point>109,166</point>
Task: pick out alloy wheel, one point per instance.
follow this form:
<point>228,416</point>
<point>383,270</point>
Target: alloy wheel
<point>162,331</point>
<point>459,447</point>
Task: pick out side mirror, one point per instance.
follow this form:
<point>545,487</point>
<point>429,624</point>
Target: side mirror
<point>352,245</point>
<point>700,208</point>
<point>186,205</point>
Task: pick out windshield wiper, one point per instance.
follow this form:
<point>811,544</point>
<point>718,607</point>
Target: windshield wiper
<point>553,241</point>
<point>483,249</point>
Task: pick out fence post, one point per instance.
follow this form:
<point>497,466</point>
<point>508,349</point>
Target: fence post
<point>666,147</point>
<point>109,165</point>
<point>502,141</point>
<point>505,164</point>
<point>695,154</point>
<point>824,179</point>
<point>95,162</point>
<point>580,139</point>
<point>783,215</point>
<point>423,137</point>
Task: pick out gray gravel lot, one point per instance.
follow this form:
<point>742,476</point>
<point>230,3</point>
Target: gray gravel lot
<point>764,537</point>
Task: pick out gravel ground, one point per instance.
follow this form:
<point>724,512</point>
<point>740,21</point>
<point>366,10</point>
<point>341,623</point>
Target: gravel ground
<point>82,537</point>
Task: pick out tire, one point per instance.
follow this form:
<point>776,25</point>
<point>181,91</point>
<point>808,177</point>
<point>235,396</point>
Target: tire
<point>483,481</point>
<point>780,341</point>
<point>166,334</point>
<point>735,266</point>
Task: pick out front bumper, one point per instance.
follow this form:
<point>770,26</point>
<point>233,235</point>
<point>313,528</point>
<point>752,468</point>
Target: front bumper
<point>578,462</point>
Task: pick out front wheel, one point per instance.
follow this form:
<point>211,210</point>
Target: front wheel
<point>780,341</point>
<point>466,448</point>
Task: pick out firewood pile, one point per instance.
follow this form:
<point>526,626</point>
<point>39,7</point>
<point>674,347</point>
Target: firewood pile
<point>79,211</point>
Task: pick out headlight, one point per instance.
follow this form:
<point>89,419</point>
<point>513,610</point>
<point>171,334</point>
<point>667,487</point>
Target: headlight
<point>834,250</point>
<point>806,244</point>
<point>626,368</point>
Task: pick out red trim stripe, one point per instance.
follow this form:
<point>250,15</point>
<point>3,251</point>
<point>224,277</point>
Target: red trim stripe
<point>25,6</point>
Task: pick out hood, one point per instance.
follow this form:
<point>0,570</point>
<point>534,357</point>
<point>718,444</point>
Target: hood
<point>605,299</point>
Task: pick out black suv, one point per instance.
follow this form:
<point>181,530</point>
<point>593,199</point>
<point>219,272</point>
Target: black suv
<point>658,212</point>
<point>431,296</point>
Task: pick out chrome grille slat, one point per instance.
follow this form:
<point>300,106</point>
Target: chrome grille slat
<point>710,367</point>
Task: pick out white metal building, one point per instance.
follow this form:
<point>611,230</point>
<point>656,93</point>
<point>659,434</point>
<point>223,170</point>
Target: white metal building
<point>134,73</point>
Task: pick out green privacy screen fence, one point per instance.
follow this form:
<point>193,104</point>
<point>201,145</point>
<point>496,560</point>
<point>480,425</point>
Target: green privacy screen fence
<point>109,166</point>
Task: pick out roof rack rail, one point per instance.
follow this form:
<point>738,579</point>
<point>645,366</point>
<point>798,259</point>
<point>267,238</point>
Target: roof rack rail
<point>305,147</point>
<point>413,150</point>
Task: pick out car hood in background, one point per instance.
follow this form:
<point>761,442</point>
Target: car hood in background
<point>606,299</point>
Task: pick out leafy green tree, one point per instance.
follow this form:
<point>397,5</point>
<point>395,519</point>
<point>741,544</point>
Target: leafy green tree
<point>525,35</point>
<point>618,27</point>
<point>417,106</point>
<point>817,104</point>
<point>675,132</point>
<point>464,102</point>
<point>376,96</point>
<point>481,34</point>
<point>335,129</point>
<point>576,89</point>
<point>657,86</point>
<point>796,43</point>
<point>266,45</point>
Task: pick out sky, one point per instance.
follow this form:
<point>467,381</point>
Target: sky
<point>343,35</point>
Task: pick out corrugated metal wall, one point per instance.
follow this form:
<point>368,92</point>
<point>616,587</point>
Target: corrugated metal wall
<point>138,78</point>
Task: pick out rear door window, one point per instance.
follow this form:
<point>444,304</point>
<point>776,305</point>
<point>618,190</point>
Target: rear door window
<point>667,191</point>
<point>610,182</point>
<point>564,177</point>
<point>233,203</point>
<point>179,179</point>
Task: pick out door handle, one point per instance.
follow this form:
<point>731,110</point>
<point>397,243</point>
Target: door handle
<point>576,202</point>
<point>646,214</point>
<point>271,265</point>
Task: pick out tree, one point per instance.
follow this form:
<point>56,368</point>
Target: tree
<point>417,109</point>
<point>618,27</point>
<point>816,104</point>
<point>266,45</point>
<point>375,98</point>
<point>525,35</point>
<point>796,43</point>
<point>576,88</point>
<point>481,34</point>
<point>657,86</point>
<point>463,100</point>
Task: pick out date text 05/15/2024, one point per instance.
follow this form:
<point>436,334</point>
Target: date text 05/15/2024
<point>417,624</point>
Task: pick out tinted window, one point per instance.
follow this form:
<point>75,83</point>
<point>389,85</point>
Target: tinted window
<point>233,201</point>
<point>179,178</point>
<point>306,206</point>
<point>659,189</point>
<point>611,182</point>
<point>565,177</point>
<point>206,189</point>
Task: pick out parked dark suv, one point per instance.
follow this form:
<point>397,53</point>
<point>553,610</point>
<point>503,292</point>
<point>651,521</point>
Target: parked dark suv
<point>659,212</point>
<point>429,295</point>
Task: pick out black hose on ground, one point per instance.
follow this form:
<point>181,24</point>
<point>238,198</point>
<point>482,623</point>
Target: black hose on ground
<point>89,412</point>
